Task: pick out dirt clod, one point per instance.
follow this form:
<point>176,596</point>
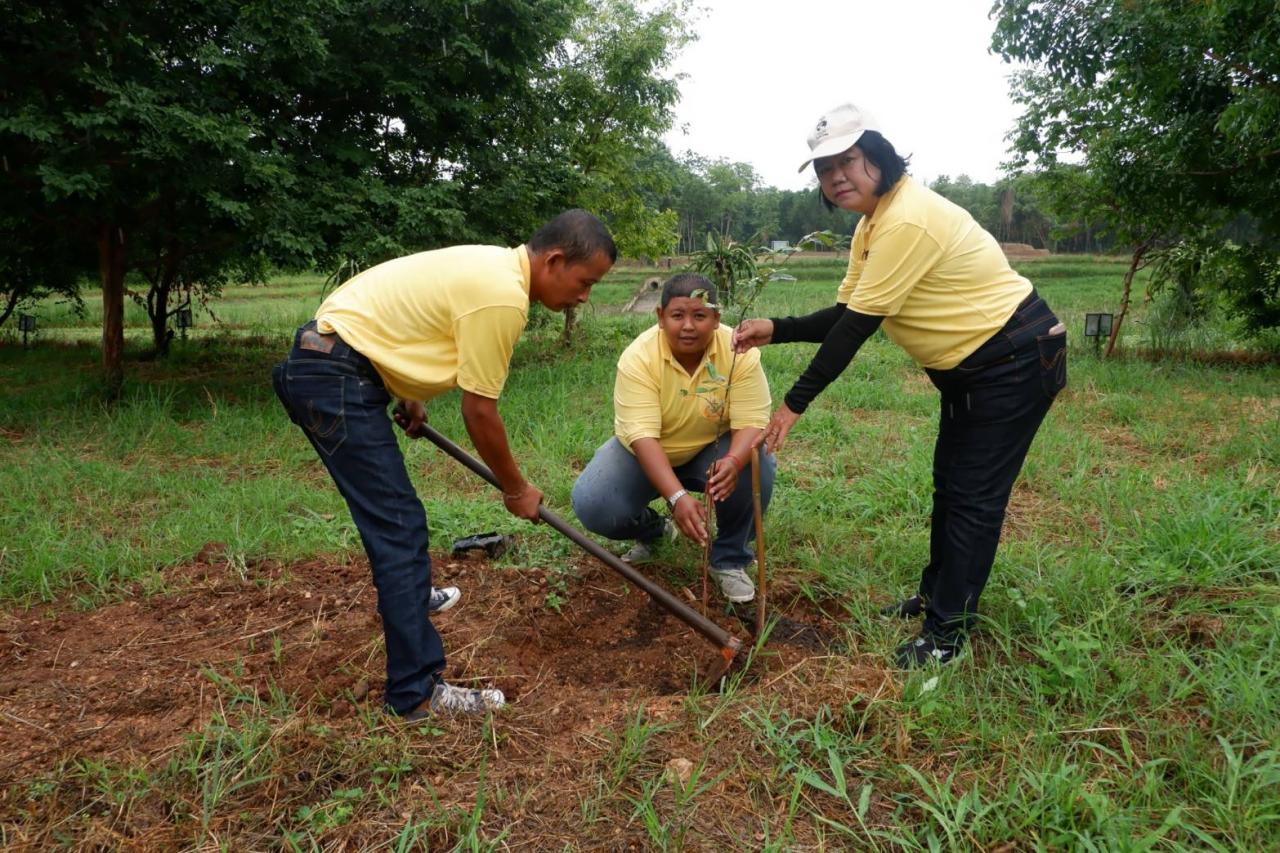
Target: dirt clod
<point>679,770</point>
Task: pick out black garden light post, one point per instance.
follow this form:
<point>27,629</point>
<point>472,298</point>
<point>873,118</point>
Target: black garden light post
<point>1097,326</point>
<point>26,325</point>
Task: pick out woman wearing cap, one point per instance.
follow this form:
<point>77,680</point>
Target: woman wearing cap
<point>941,288</point>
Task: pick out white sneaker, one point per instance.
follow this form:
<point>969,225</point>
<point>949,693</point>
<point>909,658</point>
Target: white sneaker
<point>443,598</point>
<point>448,699</point>
<point>735,585</point>
<point>642,552</point>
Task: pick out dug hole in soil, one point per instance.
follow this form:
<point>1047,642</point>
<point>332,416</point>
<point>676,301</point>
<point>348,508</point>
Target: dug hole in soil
<point>129,680</point>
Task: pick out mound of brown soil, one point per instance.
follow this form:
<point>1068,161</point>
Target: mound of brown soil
<point>127,681</point>
<point>1022,251</point>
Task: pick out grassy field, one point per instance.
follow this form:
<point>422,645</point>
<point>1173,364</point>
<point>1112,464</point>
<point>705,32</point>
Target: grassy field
<point>1121,694</point>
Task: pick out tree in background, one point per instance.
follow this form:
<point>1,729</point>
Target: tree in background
<point>583,130</point>
<point>708,196</point>
<point>588,134</point>
<point>191,144</point>
<point>612,97</point>
<point>1012,210</point>
<point>728,198</point>
<point>1174,106</point>
<point>186,139</point>
<point>801,212</point>
<point>608,98</point>
<point>36,261</point>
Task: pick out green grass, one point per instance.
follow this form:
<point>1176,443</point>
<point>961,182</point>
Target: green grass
<point>1090,716</point>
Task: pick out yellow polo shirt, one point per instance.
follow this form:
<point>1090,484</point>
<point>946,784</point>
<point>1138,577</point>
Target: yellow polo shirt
<point>654,397</point>
<point>941,282</point>
<point>436,320</point>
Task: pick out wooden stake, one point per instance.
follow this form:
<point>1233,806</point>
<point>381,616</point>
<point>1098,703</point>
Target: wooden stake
<point>759,518</point>
<point>706,546</point>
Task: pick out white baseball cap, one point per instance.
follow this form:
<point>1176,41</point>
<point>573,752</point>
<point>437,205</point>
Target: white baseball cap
<point>837,130</point>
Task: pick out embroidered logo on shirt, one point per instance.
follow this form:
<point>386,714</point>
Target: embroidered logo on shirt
<point>710,392</point>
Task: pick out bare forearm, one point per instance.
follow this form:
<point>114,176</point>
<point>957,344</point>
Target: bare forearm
<point>489,435</point>
<point>740,445</point>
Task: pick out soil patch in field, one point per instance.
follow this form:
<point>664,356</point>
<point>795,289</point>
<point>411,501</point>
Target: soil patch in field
<point>128,681</point>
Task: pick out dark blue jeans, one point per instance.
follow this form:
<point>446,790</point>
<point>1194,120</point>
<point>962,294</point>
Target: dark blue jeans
<point>992,404</point>
<point>338,400</point>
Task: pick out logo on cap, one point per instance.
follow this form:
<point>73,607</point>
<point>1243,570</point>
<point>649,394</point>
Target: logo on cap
<point>821,129</point>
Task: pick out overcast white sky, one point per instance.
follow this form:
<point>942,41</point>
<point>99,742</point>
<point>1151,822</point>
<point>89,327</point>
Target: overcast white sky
<point>761,73</point>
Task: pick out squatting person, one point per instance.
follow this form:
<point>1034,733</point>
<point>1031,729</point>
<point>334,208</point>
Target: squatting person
<point>941,288</point>
<point>670,427</point>
<point>411,329</point>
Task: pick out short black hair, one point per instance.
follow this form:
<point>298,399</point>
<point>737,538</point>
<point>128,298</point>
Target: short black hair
<point>684,284</point>
<point>579,234</point>
<point>883,156</point>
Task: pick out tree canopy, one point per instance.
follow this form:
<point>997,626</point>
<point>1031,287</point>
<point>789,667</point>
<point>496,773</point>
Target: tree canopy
<point>191,143</point>
<point>1163,117</point>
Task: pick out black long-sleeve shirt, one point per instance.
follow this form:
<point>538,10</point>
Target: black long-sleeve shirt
<point>841,333</point>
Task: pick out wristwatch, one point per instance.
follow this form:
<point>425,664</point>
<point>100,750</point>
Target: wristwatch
<point>671,501</point>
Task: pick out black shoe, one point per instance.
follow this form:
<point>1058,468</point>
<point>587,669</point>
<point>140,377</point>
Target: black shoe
<point>928,648</point>
<point>907,609</point>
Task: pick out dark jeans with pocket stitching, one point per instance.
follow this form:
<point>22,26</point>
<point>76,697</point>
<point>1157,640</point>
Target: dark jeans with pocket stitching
<point>339,401</point>
<point>992,405</point>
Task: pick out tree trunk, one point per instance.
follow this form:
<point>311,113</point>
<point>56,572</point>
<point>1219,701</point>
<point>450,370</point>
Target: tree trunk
<point>1006,211</point>
<point>1124,298</point>
<point>570,321</point>
<point>158,312</point>
<point>158,303</point>
<point>111,270</point>
<point>9,304</point>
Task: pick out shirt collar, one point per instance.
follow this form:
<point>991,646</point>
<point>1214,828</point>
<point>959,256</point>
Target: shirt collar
<point>522,252</point>
<point>886,200</point>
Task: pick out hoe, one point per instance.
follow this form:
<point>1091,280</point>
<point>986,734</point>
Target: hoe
<point>727,644</point>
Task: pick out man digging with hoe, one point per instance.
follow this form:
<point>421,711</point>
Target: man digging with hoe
<point>414,328</point>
